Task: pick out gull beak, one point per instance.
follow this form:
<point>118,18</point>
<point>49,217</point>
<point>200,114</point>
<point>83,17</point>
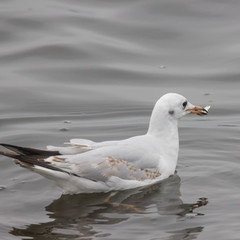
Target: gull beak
<point>199,110</point>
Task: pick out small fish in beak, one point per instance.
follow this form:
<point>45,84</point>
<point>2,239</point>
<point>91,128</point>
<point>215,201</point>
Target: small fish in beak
<point>200,110</point>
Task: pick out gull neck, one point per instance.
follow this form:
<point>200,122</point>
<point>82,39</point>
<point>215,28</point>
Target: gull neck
<point>161,122</point>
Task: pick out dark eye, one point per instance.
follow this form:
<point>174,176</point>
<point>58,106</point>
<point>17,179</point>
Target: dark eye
<point>184,104</point>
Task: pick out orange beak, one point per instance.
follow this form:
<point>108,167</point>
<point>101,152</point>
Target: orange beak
<point>198,110</point>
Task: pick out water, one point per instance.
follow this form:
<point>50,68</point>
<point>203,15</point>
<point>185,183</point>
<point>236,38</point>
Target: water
<point>94,69</point>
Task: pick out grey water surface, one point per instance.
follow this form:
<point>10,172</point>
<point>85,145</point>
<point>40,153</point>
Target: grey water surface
<point>94,69</point>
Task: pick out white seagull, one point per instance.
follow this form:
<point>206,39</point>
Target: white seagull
<point>86,166</point>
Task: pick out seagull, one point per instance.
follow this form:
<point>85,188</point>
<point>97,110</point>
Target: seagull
<point>84,166</point>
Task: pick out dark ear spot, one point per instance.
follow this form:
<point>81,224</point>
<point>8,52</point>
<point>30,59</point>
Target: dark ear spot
<point>171,112</point>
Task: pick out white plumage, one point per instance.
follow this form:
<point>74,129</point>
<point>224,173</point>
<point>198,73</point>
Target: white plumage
<point>87,166</point>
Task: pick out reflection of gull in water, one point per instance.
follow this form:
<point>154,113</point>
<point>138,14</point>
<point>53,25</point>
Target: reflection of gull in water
<point>88,166</point>
<point>87,216</point>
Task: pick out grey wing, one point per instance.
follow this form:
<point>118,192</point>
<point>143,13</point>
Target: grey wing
<point>101,164</point>
<point>124,170</point>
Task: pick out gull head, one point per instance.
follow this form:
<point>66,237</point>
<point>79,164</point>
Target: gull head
<point>177,106</point>
<point>168,109</point>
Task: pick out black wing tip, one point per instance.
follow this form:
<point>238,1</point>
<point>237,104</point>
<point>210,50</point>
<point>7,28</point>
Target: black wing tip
<point>30,157</point>
<point>29,151</point>
<point>4,144</point>
<point>9,154</point>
